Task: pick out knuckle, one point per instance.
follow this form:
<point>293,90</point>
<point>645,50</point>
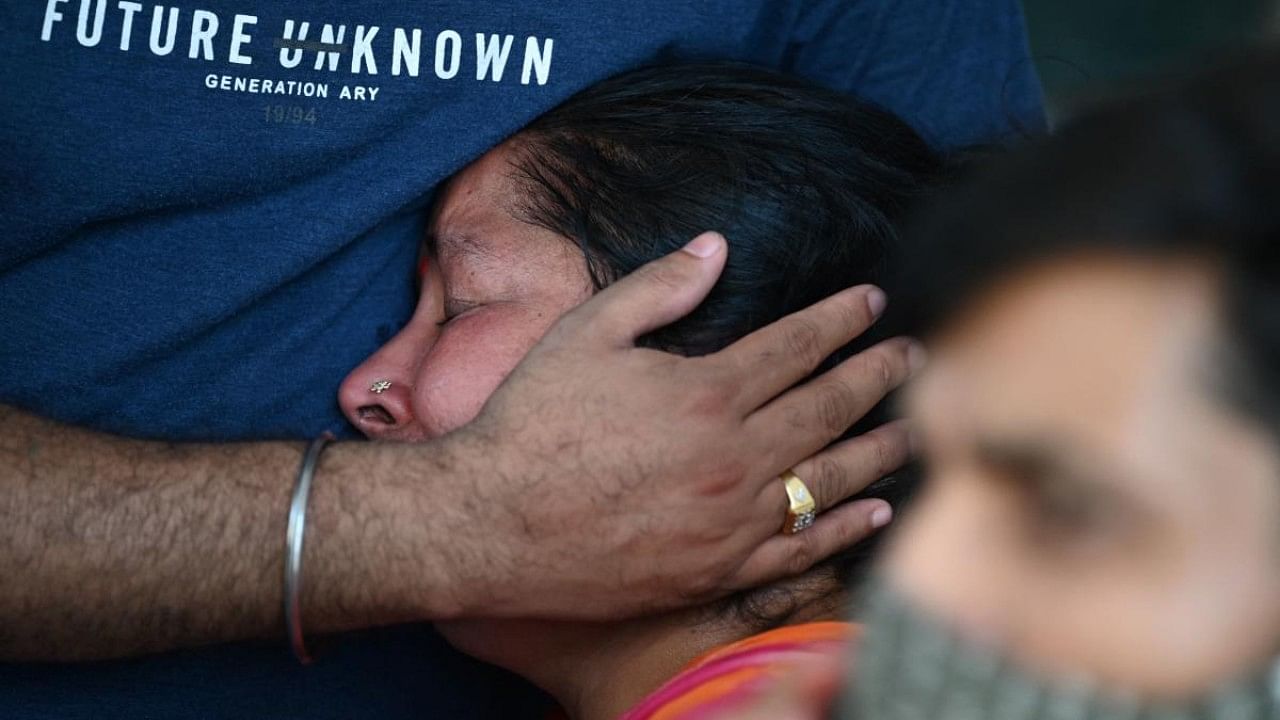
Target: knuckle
<point>828,478</point>
<point>803,340</point>
<point>663,275</point>
<point>887,453</point>
<point>855,314</point>
<point>882,371</point>
<point>832,407</point>
<point>805,555</point>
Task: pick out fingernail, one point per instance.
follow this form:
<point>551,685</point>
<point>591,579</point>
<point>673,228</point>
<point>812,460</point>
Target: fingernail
<point>705,245</point>
<point>917,356</point>
<point>877,301</point>
<point>881,517</point>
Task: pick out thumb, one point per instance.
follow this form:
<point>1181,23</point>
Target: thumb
<point>657,294</point>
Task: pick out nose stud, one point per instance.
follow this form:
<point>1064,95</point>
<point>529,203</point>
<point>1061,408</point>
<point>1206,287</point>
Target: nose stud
<point>380,386</point>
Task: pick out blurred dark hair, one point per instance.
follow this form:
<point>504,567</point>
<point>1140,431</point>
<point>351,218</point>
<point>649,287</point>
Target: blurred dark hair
<point>1191,170</point>
<point>809,187</point>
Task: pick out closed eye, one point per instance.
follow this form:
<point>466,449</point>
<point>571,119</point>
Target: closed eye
<point>454,307</point>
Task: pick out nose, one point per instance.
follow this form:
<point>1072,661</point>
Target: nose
<point>377,399</point>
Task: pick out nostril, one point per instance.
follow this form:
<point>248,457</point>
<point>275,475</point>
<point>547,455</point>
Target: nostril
<point>375,414</point>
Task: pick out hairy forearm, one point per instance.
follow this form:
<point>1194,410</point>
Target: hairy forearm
<point>112,547</point>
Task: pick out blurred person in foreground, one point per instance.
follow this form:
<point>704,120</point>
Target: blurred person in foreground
<point>1099,532</point>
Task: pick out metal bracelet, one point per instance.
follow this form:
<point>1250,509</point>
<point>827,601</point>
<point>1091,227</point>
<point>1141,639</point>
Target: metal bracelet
<point>293,548</point>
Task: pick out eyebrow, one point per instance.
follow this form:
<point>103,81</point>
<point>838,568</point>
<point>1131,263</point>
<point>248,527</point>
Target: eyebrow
<point>463,243</point>
<point>466,245</point>
<point>1039,460</point>
<point>1029,454</point>
<point>1033,455</point>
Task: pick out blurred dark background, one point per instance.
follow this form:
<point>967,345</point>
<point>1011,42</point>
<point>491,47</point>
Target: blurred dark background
<point>1085,49</point>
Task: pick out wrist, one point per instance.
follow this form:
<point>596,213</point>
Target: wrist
<point>462,531</point>
<point>380,547</point>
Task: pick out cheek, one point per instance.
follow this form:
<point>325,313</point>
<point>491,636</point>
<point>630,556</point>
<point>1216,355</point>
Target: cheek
<point>469,360</point>
<point>1200,593</point>
<point>955,554</point>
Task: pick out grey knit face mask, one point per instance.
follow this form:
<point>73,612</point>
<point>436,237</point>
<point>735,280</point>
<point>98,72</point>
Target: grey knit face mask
<point>910,667</point>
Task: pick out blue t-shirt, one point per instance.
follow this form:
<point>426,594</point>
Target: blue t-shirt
<point>211,212</point>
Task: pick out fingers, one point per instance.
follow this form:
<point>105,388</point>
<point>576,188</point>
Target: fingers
<point>788,555</point>
<point>778,356</point>
<point>849,467</point>
<point>833,476</point>
<point>808,417</point>
<point>657,294</point>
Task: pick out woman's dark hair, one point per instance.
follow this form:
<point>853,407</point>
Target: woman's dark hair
<point>809,187</point>
<point>1186,171</point>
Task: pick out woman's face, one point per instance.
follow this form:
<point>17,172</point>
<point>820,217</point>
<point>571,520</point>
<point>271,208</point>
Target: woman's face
<point>1094,506</point>
<point>491,287</point>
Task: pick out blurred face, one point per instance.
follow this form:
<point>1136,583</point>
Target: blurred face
<point>1094,506</point>
<point>491,287</point>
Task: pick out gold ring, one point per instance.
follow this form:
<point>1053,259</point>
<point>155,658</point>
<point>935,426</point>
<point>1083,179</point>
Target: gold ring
<point>802,510</point>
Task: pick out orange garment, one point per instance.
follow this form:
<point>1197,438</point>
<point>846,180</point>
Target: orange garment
<point>739,673</point>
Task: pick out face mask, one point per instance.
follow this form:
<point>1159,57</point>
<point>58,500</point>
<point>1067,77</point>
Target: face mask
<point>911,667</point>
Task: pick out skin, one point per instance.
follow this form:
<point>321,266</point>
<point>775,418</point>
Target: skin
<point>125,547</point>
<point>1097,512</point>
<point>1094,503</point>
<point>488,520</point>
<point>492,286</point>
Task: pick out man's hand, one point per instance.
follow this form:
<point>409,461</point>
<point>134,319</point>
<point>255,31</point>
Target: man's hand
<point>601,480</point>
<point>614,479</point>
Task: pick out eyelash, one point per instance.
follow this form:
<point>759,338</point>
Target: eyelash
<point>468,307</point>
<point>424,265</point>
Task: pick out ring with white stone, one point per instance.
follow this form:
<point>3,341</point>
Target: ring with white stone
<point>802,509</point>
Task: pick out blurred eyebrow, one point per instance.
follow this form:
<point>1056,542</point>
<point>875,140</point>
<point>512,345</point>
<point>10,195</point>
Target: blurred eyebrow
<point>1038,460</point>
<point>1028,455</point>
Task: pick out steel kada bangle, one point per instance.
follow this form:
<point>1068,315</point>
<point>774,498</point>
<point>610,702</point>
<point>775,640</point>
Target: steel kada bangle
<point>293,547</point>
